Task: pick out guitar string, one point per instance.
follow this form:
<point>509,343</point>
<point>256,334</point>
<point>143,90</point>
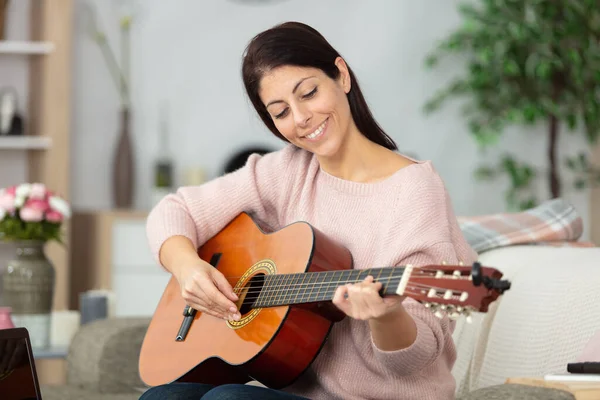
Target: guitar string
<point>415,270</point>
<point>267,292</point>
<point>290,285</point>
<point>330,291</point>
<point>409,292</point>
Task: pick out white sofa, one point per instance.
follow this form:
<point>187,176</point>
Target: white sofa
<point>542,323</point>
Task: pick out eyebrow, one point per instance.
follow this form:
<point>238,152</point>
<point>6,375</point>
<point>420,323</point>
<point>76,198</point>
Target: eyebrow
<point>293,91</point>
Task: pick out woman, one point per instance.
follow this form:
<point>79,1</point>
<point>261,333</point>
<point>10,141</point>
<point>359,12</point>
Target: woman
<point>341,174</point>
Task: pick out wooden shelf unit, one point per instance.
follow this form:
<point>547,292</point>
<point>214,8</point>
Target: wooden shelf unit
<point>43,153</point>
<point>15,47</point>
<point>50,115</point>
<point>25,142</point>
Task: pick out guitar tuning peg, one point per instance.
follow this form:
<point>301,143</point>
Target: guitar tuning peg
<point>460,262</point>
<point>454,316</point>
<point>439,314</point>
<point>444,263</point>
<point>456,274</point>
<point>469,319</point>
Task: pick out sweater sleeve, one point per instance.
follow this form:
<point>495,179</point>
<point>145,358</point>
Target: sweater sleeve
<point>200,212</point>
<point>433,334</point>
<point>425,233</point>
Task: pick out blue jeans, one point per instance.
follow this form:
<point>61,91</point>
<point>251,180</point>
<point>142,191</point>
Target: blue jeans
<point>201,391</point>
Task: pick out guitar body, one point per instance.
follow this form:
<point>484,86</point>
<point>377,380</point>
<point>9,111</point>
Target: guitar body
<point>271,345</point>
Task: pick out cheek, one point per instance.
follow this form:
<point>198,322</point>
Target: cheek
<point>285,127</point>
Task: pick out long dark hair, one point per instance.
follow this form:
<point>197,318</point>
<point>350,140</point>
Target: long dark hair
<point>297,44</point>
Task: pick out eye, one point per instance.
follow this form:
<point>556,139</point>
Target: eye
<point>310,94</point>
<point>281,114</point>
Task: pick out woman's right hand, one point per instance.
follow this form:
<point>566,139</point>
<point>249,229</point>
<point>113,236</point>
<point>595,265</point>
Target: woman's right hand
<point>205,289</point>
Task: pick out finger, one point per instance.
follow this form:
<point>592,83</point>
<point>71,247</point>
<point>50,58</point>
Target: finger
<point>339,297</point>
<point>223,285</point>
<point>215,295</point>
<point>213,313</point>
<point>201,302</point>
<point>193,293</point>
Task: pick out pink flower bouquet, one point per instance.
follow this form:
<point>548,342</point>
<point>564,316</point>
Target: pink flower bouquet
<point>31,212</point>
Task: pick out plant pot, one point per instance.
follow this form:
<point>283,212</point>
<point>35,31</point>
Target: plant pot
<point>28,288</point>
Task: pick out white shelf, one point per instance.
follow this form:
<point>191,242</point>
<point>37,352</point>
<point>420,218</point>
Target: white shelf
<point>24,143</point>
<point>22,47</point>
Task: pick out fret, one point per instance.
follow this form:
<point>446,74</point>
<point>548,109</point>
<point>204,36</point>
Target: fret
<point>308,288</point>
<point>320,278</point>
<point>390,279</point>
<point>285,287</point>
<point>274,288</point>
<point>293,288</point>
<point>300,288</point>
<point>260,298</point>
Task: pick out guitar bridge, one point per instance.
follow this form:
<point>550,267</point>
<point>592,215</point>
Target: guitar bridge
<point>188,312</point>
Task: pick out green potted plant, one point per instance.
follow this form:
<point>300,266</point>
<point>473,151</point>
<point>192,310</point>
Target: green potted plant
<point>527,63</point>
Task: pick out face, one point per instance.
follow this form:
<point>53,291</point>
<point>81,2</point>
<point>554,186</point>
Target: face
<point>310,109</point>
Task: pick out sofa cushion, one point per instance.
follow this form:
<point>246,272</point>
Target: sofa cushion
<point>520,392</point>
<point>104,354</point>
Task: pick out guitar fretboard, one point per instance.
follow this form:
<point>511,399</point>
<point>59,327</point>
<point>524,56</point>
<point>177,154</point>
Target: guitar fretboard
<point>288,289</point>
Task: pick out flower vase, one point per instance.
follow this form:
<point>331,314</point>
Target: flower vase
<point>28,289</point>
<point>123,173</point>
<point>5,318</point>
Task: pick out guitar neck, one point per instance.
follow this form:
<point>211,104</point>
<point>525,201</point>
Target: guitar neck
<point>309,287</point>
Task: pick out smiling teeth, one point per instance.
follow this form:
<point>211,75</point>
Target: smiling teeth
<point>317,132</point>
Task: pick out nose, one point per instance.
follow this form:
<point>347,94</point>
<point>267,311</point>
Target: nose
<point>302,116</point>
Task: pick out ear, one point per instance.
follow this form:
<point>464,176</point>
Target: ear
<point>344,78</point>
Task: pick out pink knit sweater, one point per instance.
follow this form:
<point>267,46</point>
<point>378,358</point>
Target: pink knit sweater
<point>406,218</point>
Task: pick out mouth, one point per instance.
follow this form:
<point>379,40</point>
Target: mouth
<point>317,133</point>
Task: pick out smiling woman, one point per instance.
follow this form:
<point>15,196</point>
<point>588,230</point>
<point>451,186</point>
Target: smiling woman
<point>342,175</point>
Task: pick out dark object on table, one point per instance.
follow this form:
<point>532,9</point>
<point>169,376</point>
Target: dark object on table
<point>238,160</point>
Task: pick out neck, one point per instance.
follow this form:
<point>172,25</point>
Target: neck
<point>310,287</point>
<point>358,159</point>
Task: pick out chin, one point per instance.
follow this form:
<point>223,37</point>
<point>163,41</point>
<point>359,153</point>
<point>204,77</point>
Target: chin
<point>327,149</point>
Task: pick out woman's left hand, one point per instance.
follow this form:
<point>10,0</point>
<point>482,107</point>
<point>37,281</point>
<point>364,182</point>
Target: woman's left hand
<point>363,301</point>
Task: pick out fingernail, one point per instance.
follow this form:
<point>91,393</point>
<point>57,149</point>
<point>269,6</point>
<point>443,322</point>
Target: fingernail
<point>233,309</point>
<point>237,316</point>
<point>235,296</point>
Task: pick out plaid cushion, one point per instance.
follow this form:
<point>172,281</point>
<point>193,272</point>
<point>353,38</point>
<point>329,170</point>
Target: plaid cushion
<point>554,222</point>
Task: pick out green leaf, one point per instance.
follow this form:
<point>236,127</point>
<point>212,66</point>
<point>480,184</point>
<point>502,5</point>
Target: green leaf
<point>544,70</point>
<point>571,121</point>
<point>580,183</point>
<point>511,68</point>
<point>571,163</point>
<point>528,204</point>
<point>431,60</point>
<point>583,161</point>
<point>485,173</point>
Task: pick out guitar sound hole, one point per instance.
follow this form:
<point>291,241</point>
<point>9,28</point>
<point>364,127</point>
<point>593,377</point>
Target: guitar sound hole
<point>250,293</point>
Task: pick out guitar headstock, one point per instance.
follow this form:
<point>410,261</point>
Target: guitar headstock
<point>455,290</point>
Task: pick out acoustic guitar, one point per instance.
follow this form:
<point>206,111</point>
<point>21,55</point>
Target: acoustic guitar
<point>285,282</point>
